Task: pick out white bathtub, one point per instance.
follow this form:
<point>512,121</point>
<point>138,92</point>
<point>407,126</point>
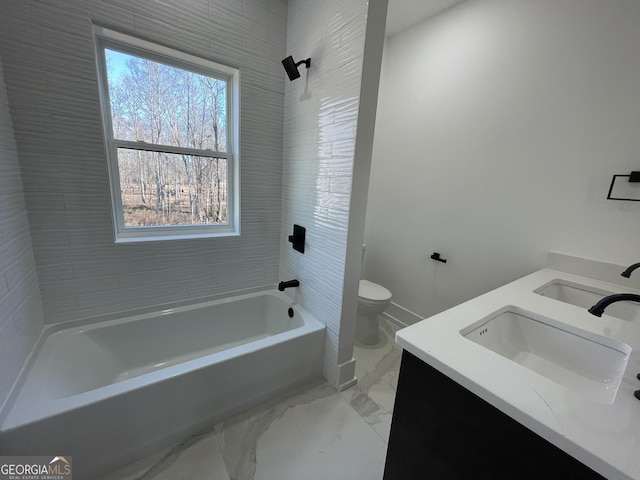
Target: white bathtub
<point>108,392</point>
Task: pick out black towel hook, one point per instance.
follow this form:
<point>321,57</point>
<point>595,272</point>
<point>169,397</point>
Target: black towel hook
<point>436,256</point>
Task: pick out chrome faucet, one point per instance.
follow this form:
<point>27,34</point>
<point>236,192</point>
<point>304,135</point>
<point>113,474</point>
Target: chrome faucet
<point>598,308</point>
<point>627,272</point>
<point>288,284</point>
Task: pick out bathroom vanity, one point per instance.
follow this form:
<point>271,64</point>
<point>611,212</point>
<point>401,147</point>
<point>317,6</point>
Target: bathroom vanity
<point>443,431</point>
<point>523,382</point>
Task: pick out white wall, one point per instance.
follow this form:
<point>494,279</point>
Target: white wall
<point>47,49</point>
<point>21,314</point>
<point>321,121</point>
<point>499,127</point>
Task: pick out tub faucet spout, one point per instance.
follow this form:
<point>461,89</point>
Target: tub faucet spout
<point>627,272</point>
<point>598,308</point>
<point>288,284</point>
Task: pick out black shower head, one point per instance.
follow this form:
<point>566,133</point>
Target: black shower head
<point>291,67</point>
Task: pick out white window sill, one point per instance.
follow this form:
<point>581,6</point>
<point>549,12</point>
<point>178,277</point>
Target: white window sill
<point>161,238</point>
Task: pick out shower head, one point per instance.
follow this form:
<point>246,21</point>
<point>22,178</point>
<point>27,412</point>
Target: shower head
<point>291,67</point>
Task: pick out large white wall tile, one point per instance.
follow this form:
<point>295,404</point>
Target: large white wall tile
<point>321,120</point>
<point>21,311</point>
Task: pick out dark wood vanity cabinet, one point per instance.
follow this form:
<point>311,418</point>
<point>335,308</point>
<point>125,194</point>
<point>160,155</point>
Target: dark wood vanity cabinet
<point>442,431</point>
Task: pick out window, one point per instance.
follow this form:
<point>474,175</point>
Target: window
<point>171,134</point>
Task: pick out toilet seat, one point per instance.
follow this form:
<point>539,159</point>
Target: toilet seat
<point>372,292</point>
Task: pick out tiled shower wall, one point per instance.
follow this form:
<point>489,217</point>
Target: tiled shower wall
<point>321,116</point>
<point>47,50</point>
<point>21,315</point>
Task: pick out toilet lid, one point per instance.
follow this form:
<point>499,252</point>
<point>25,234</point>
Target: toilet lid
<point>372,291</point>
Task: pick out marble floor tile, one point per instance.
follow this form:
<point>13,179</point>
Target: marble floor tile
<point>137,469</point>
<point>377,370</point>
<point>202,460</point>
<point>197,458</point>
<point>311,433</point>
<point>314,435</point>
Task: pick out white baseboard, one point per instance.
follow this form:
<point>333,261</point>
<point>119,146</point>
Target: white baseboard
<point>346,375</point>
<point>400,315</point>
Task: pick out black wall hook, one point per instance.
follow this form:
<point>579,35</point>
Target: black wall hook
<point>436,256</point>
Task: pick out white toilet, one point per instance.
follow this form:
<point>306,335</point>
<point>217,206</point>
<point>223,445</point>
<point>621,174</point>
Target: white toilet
<point>373,299</point>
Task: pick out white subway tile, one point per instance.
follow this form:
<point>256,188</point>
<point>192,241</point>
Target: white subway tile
<point>49,237</point>
<point>16,243</point>
<point>65,182</point>
<point>166,262</point>
<point>42,58</point>
<point>60,304</point>
<point>278,7</point>
<point>84,313</point>
<point>15,219</point>
<point>155,277</point>
<point>59,271</point>
<point>44,201</point>
<point>27,32</point>
<point>72,253</point>
<point>258,12</point>
<point>32,121</point>
<point>232,6</point>
<point>121,264</point>
<point>37,162</point>
<point>157,300</point>
<point>108,14</point>
<point>43,14</point>
<point>49,220</point>
<point>81,165</point>
<point>77,286</point>
<point>150,248</point>
<point>99,202</point>
<point>83,235</point>
<point>96,267</point>
<point>18,334</point>
<point>152,9</point>
<point>159,31</point>
<point>77,44</point>
<point>99,299</point>
<point>25,77</point>
<point>4,286</point>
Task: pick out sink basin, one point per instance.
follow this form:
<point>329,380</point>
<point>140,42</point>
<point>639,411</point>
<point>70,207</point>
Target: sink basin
<point>586,296</point>
<point>587,363</point>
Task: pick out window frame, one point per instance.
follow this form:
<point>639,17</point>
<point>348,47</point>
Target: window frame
<point>109,39</point>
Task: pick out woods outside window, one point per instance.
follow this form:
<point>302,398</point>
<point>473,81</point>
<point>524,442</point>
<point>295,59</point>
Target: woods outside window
<point>170,125</point>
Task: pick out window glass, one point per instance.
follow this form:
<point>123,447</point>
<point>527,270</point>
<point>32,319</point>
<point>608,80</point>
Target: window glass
<point>157,103</point>
<point>189,190</point>
<point>170,122</point>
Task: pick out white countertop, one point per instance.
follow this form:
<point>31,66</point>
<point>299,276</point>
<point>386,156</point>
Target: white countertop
<point>606,437</point>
